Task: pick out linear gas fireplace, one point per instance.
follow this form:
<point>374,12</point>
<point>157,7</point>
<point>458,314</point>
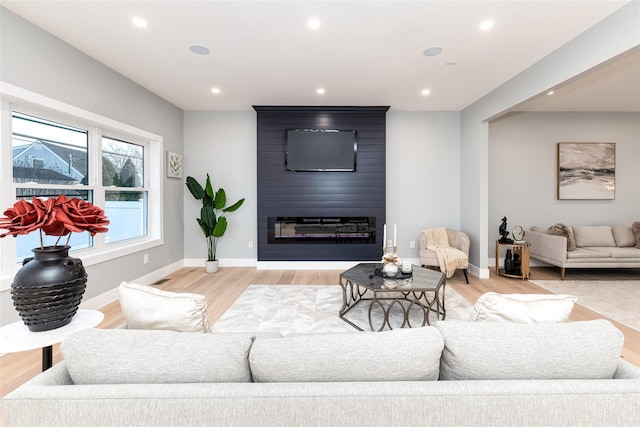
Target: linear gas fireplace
<point>303,229</point>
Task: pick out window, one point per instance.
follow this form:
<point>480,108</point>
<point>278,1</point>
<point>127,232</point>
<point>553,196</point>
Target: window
<point>59,149</point>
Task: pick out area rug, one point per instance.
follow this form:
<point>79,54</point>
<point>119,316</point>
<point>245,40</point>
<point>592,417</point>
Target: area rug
<point>617,300</point>
<point>314,308</point>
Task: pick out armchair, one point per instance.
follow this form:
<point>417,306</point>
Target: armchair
<point>456,239</point>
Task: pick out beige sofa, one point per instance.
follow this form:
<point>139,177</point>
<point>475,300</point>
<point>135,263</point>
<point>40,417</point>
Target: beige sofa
<point>450,374</point>
<point>601,246</point>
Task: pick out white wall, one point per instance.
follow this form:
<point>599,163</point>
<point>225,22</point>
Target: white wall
<point>422,176</point>
<point>35,60</point>
<point>222,144</point>
<point>523,169</point>
<point>612,36</point>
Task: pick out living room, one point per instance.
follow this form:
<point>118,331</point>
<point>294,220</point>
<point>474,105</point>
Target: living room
<point>459,168</point>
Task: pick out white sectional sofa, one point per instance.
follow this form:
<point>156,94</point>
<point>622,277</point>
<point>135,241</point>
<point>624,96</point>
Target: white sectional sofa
<point>585,246</point>
<point>450,374</point>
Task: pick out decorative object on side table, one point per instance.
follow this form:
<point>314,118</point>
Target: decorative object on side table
<point>503,231</point>
<point>48,289</point>
<point>212,223</point>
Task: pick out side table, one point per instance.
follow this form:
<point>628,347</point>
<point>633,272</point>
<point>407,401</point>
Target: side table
<point>521,249</point>
<point>16,337</point>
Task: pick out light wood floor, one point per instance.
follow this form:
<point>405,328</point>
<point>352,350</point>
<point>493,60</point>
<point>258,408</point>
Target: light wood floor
<point>222,289</point>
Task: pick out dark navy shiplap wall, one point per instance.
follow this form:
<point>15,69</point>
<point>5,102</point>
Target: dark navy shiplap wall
<point>330,194</point>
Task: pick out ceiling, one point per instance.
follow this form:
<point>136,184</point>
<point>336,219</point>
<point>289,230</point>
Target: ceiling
<point>363,53</point>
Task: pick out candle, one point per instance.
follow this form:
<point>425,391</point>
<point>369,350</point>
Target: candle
<point>395,243</point>
<point>384,238</point>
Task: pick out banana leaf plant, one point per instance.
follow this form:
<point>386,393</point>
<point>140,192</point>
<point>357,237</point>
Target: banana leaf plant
<point>212,221</point>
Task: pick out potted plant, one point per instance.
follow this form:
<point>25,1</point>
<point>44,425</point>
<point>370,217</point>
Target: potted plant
<point>212,221</point>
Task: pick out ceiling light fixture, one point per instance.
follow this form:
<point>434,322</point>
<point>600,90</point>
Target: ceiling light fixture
<point>432,51</point>
<point>314,24</point>
<point>550,92</point>
<point>320,91</point>
<point>215,90</point>
<point>451,63</point>
<point>486,25</point>
<point>199,50</point>
<point>425,91</point>
<point>139,22</point>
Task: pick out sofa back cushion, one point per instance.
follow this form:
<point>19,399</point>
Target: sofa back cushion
<point>522,308</point>
<point>127,356</point>
<point>512,351</point>
<point>398,355</point>
<point>623,235</point>
<point>145,307</point>
<point>593,235</point>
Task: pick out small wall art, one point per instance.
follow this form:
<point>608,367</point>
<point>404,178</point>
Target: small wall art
<point>174,165</point>
<point>586,170</point>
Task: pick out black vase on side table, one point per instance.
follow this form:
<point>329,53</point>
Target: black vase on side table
<point>48,289</point>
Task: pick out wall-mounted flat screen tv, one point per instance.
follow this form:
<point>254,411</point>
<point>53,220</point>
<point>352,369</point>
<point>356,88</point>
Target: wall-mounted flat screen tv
<point>325,150</point>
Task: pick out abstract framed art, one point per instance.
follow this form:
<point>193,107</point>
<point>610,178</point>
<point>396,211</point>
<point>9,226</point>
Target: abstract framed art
<point>586,170</point>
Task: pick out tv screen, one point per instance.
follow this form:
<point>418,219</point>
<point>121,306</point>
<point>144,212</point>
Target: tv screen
<point>321,150</point>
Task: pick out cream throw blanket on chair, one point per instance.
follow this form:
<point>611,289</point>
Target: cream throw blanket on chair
<point>448,258</point>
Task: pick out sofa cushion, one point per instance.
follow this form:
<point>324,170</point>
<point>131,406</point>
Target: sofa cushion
<point>636,231</point>
<point>398,355</point>
<point>145,307</point>
<point>588,253</point>
<point>565,231</point>
<point>128,356</point>
<point>522,308</point>
<point>511,351</point>
<point>620,252</point>
<point>593,235</point>
<point>623,235</point>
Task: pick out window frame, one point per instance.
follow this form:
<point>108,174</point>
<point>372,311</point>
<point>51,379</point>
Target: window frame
<point>13,98</point>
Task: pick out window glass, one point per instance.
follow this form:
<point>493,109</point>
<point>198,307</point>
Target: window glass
<point>122,163</point>
<point>127,211</point>
<point>46,152</point>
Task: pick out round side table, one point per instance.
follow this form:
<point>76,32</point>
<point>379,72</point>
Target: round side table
<point>16,337</point>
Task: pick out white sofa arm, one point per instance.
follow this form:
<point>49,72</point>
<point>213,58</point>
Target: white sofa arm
<point>548,247</point>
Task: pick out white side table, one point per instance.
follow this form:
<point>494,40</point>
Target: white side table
<point>17,337</point>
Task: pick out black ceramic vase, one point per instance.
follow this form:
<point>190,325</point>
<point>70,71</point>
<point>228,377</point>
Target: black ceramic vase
<point>47,290</point>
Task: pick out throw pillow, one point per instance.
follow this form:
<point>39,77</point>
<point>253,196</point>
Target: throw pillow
<point>593,235</point>
<point>144,307</point>
<point>565,231</point>
<point>624,236</point>
<point>405,355</point>
<point>517,351</point>
<point>636,230</point>
<point>125,356</point>
<point>522,308</point>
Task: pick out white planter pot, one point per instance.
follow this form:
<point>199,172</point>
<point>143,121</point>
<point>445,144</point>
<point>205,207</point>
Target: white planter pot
<point>211,266</point>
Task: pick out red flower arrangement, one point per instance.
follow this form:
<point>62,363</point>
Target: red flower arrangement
<point>53,217</point>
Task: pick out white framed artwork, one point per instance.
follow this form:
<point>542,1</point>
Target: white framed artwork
<point>174,165</point>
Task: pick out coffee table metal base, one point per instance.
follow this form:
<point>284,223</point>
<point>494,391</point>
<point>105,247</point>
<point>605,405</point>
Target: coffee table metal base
<point>354,294</point>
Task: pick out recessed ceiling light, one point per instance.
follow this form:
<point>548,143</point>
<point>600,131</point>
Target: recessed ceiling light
<point>432,51</point>
<point>451,63</point>
<point>486,25</point>
<point>199,50</point>
<point>139,22</point>
<point>314,24</point>
<point>425,91</point>
<point>320,91</point>
<point>550,92</point>
<point>215,90</point>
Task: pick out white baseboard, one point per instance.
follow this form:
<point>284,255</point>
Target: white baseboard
<point>112,295</point>
<point>480,273</point>
<point>224,262</point>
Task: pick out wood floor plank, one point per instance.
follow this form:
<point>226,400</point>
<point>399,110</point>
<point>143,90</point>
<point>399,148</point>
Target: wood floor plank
<point>223,288</point>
